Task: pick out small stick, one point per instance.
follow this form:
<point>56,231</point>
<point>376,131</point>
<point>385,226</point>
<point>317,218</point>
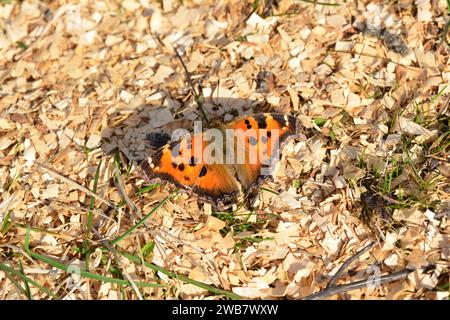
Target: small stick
<point>188,74</point>
<point>332,289</point>
<point>347,263</point>
<point>121,187</point>
<point>358,285</point>
<point>77,185</point>
<point>198,95</point>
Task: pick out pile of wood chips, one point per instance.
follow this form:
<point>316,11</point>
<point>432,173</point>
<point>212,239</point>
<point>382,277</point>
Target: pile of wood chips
<point>81,85</point>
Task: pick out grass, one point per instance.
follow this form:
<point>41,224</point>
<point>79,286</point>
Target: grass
<point>74,269</point>
<point>92,204</point>
<point>236,224</point>
<point>16,283</point>
<point>180,277</point>
<point>246,241</point>
<point>27,287</point>
<point>320,121</point>
<point>21,45</point>
<point>5,223</point>
<point>142,221</point>
<point>321,3</point>
<point>443,143</point>
<point>395,171</point>
<point>147,189</point>
<point>406,195</point>
<point>147,249</point>
<point>26,279</point>
<point>422,180</point>
<point>257,4</point>
<point>86,249</point>
<point>297,184</point>
<point>268,190</point>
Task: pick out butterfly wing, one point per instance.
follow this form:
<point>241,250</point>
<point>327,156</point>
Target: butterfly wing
<point>181,163</point>
<point>263,135</point>
<point>254,144</point>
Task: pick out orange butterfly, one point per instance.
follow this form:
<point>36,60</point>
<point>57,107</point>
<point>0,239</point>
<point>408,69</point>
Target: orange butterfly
<point>218,165</point>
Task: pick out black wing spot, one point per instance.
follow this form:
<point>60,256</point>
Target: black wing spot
<point>269,134</point>
<point>181,167</point>
<point>157,139</point>
<point>247,122</point>
<point>292,123</point>
<point>280,119</point>
<point>193,161</point>
<point>249,126</point>
<point>203,172</point>
<point>187,178</point>
<point>174,165</point>
<point>262,124</point>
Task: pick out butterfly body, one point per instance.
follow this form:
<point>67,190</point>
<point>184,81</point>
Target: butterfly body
<point>220,164</point>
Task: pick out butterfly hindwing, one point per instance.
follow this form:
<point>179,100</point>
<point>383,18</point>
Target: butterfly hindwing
<point>265,135</point>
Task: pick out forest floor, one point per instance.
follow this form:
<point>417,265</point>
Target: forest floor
<point>82,85</point>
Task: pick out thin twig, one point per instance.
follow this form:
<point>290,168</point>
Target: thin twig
<point>332,289</point>
<point>347,263</point>
<point>358,285</point>
<point>198,94</point>
<point>77,185</point>
<point>121,187</point>
<point>314,2</point>
<point>188,74</point>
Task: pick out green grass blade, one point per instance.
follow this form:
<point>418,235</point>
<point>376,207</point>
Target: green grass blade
<point>137,225</point>
<point>91,275</point>
<point>321,3</point>
<point>147,189</point>
<point>15,283</point>
<point>199,284</point>
<point>27,287</point>
<point>10,270</point>
<point>82,273</point>
<point>147,249</point>
<point>91,207</point>
<point>268,190</point>
<point>5,222</point>
<point>320,121</point>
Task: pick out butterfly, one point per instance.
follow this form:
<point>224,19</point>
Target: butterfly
<point>221,164</point>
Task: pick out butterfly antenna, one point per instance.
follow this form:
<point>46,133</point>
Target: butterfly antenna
<point>198,93</point>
